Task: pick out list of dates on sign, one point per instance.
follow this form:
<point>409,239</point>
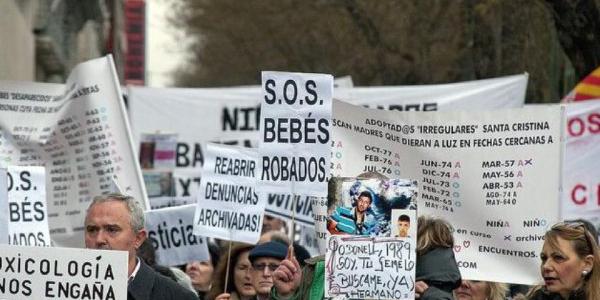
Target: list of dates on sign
<point>501,182</point>
<point>79,148</point>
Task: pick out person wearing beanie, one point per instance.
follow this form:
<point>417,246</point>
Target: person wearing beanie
<point>265,259</point>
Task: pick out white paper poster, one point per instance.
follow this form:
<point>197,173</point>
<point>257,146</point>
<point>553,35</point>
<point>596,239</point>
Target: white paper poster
<point>3,207</point>
<point>581,195</point>
<point>295,133</point>
<point>27,207</point>
<point>171,231</point>
<point>79,131</point>
<point>62,273</point>
<point>494,175</point>
<point>369,268</point>
<point>228,206</point>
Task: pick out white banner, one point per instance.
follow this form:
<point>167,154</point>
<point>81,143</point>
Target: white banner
<point>295,123</point>
<point>228,206</point>
<point>171,231</point>
<point>231,116</point>
<point>27,208</point>
<point>494,175</point>
<point>3,207</point>
<point>62,273</point>
<point>79,132</point>
<point>581,195</point>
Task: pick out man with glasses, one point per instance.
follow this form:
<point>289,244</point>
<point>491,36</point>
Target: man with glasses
<point>265,259</point>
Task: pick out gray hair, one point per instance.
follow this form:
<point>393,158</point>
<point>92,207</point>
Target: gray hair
<point>136,212</point>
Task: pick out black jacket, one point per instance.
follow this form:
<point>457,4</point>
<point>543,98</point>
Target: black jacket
<point>149,285</point>
<point>543,294</point>
<point>439,270</point>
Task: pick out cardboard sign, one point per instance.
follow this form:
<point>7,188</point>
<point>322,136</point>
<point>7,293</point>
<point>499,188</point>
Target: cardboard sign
<point>171,231</point>
<point>62,273</point>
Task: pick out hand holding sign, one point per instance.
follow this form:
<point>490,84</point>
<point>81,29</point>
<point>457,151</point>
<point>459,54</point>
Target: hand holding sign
<point>286,278</point>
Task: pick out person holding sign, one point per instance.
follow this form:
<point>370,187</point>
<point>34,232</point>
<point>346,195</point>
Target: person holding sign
<point>116,222</point>
<point>237,271</point>
<point>570,264</point>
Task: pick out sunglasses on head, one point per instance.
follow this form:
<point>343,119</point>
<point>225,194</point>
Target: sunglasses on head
<point>576,225</point>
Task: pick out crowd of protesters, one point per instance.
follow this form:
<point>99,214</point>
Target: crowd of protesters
<point>277,268</point>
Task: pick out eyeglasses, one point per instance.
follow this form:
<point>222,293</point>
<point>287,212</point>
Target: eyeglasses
<point>261,267</point>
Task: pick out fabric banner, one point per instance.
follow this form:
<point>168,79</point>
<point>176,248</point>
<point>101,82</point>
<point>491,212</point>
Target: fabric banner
<point>171,232</point>
<point>79,131</point>
<point>494,175</point>
<point>232,115</point>
<point>581,176</point>
<point>228,206</point>
<point>62,273</point>
<point>294,128</point>
<point>27,207</point>
<point>3,207</point>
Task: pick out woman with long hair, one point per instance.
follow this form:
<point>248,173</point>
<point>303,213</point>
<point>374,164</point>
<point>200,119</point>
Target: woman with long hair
<point>570,264</point>
<point>239,284</point>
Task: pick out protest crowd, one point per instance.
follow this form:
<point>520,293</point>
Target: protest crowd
<point>304,187</point>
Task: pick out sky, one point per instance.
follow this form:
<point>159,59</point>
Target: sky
<point>164,48</point>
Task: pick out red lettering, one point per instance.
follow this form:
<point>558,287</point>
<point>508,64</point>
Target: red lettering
<point>576,127</point>
<point>594,120</point>
<point>574,194</point>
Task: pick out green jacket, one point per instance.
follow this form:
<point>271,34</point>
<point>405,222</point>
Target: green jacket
<point>312,284</point>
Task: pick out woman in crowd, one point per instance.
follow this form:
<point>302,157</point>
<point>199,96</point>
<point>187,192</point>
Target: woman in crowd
<point>201,272</point>
<point>480,290</point>
<point>239,283</point>
<point>570,264</point>
<point>437,273</point>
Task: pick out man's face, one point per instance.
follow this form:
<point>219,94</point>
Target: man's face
<point>107,226</point>
<point>271,223</point>
<point>262,274</point>
<point>363,204</point>
<point>403,227</point>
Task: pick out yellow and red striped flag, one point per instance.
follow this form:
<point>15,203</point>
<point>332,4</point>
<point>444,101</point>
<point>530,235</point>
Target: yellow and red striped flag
<point>588,88</point>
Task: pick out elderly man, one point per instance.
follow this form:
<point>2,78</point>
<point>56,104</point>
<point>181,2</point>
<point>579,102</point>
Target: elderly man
<point>116,222</point>
<point>265,259</point>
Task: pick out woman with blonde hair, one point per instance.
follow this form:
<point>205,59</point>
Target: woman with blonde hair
<point>570,264</point>
<point>480,290</point>
<point>239,283</point>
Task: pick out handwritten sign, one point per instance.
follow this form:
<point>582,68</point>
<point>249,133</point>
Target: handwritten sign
<point>363,268</point>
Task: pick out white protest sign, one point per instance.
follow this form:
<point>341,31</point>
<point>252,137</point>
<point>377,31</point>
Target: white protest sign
<point>494,175</point>
<point>27,208</point>
<point>80,133</point>
<point>62,273</point>
<point>295,121</point>
<point>228,206</point>
<point>370,268</point>
<point>3,207</point>
<point>171,232</point>
<point>281,206</point>
<point>581,176</point>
